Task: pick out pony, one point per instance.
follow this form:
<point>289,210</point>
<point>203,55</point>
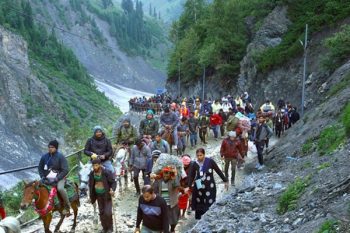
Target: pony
<point>168,136</point>
<point>120,163</point>
<point>10,225</point>
<point>42,203</point>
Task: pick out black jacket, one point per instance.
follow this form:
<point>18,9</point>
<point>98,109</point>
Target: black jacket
<point>100,146</point>
<point>108,183</point>
<point>56,162</point>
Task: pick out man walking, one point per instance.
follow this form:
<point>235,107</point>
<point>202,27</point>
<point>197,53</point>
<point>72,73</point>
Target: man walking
<point>170,121</point>
<point>102,186</point>
<point>138,162</point>
<point>262,133</point>
<point>152,211</point>
<point>231,152</point>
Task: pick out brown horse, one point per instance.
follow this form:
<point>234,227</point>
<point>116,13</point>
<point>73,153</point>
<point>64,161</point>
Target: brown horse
<point>40,194</point>
<point>168,136</point>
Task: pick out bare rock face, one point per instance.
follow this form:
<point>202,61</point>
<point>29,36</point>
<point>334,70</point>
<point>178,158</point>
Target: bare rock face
<point>20,90</point>
<point>269,35</point>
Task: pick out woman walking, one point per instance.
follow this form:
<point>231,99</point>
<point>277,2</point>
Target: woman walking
<point>204,190</point>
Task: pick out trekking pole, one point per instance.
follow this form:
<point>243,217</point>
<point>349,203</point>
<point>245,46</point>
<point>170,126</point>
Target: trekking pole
<point>114,213</point>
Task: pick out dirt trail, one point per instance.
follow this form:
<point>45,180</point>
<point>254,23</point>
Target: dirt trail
<point>126,203</point>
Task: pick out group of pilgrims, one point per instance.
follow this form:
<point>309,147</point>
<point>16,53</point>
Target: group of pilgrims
<point>173,185</point>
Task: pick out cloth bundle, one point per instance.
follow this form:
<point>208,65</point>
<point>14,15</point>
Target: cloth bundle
<point>243,122</point>
<point>167,161</point>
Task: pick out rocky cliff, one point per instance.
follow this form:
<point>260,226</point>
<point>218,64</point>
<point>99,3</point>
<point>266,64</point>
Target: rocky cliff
<point>21,138</point>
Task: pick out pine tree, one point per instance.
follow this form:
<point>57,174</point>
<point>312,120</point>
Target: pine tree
<point>154,12</point>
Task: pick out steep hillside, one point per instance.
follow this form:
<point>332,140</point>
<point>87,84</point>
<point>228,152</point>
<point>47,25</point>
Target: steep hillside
<point>244,48</point>
<point>168,10</point>
<point>305,186</point>
<point>45,93</point>
<point>114,44</point>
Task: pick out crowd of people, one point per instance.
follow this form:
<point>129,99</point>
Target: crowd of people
<point>172,183</point>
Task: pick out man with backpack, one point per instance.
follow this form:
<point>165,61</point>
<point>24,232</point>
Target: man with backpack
<point>262,133</point>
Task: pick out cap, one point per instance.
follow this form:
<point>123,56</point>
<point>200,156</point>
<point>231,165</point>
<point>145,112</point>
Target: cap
<point>232,134</point>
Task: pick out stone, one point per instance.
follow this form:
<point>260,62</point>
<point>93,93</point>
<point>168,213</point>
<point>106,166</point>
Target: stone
<point>286,220</point>
<point>255,209</point>
<point>277,186</point>
<point>297,221</point>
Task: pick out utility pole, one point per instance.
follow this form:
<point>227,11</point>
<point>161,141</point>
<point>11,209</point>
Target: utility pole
<point>203,89</point>
<point>304,71</point>
<point>179,70</point>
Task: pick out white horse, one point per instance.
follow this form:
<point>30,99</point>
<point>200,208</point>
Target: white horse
<point>120,163</point>
<point>10,225</point>
<point>84,172</point>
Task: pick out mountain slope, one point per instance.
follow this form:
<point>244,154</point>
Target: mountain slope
<point>98,46</point>
<point>45,93</point>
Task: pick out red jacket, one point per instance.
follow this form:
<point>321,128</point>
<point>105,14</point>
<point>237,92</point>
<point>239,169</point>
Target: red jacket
<point>215,119</point>
<point>231,149</point>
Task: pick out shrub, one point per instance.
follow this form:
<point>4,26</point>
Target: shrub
<point>323,166</point>
<point>307,147</point>
<point>288,200</point>
<point>330,139</point>
<point>329,226</point>
<point>339,48</point>
<point>346,119</point>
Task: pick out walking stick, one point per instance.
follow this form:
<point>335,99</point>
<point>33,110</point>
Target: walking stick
<point>114,213</point>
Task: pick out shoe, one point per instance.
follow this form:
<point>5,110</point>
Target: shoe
<point>257,166</point>
<point>175,147</point>
<point>261,167</point>
<point>137,194</point>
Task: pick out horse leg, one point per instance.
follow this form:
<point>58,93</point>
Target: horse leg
<point>47,220</point>
<point>59,222</point>
<point>75,211</point>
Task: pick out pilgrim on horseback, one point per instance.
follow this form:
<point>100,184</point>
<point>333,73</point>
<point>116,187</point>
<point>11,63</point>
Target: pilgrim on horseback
<point>169,122</point>
<point>53,168</point>
<point>102,186</point>
<point>99,146</point>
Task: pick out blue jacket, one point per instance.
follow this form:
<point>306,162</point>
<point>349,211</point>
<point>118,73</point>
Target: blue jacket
<point>55,162</point>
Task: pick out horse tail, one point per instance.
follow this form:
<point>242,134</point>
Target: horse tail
<point>77,191</point>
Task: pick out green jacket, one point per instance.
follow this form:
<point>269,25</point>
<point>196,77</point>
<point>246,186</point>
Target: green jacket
<point>126,134</point>
<point>149,127</point>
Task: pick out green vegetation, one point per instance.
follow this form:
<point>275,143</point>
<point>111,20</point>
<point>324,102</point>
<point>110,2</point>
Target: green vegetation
<point>330,139</point>
<point>307,147</point>
<point>329,226</point>
<point>135,33</point>
<point>344,83</point>
<point>323,166</point>
<point>80,105</point>
<point>289,199</point>
<point>214,36</point>
<point>339,48</point>
<point>12,199</point>
<point>346,119</point>
<point>317,14</point>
